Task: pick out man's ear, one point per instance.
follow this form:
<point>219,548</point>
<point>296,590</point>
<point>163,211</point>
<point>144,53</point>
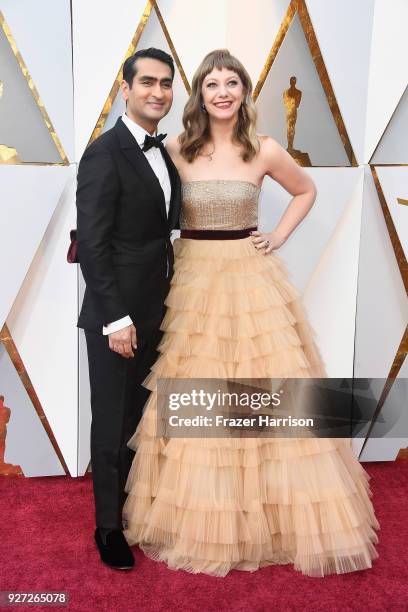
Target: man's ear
<point>125,90</point>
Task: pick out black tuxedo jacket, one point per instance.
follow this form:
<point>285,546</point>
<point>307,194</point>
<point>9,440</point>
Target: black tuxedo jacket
<point>123,233</point>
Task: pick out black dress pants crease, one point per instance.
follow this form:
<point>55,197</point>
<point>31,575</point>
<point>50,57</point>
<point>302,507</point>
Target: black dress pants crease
<point>117,401</point>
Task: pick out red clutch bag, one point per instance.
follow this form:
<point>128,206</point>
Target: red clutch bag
<point>72,255</point>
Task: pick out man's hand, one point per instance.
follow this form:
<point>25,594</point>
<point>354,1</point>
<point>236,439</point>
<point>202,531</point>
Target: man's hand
<point>123,340</point>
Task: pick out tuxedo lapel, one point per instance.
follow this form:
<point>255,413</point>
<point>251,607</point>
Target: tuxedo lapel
<point>174,208</point>
<point>137,158</point>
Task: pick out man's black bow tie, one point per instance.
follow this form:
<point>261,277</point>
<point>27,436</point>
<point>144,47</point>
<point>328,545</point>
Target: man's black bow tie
<point>153,141</point>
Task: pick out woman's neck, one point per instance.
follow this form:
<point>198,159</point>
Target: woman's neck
<point>222,132</point>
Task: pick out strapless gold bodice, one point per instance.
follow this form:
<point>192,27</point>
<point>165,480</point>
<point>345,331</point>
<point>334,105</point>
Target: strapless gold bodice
<point>219,205</point>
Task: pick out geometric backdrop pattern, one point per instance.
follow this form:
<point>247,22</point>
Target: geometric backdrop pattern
<point>330,84</point>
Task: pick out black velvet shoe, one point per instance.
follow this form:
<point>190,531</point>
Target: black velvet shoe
<point>116,552</point>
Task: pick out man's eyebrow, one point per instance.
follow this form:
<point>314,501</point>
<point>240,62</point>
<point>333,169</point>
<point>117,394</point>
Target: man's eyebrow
<point>146,77</point>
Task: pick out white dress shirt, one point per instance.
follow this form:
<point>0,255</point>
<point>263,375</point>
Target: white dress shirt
<point>155,158</point>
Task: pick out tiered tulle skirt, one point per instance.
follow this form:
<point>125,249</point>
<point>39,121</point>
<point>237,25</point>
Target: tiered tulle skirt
<point>215,504</point>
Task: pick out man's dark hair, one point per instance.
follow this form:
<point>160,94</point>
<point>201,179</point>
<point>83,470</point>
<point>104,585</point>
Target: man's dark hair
<point>129,67</point>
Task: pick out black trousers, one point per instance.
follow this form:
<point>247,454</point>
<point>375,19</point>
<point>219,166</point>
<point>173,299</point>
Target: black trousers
<point>117,400</point>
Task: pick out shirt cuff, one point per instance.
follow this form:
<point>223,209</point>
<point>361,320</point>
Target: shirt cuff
<point>117,325</point>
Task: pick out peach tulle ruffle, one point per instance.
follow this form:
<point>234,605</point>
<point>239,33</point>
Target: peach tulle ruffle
<point>211,505</point>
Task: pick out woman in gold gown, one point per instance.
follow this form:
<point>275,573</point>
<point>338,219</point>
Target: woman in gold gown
<point>214,504</point>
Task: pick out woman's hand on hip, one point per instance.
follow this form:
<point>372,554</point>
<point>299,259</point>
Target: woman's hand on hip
<point>267,241</point>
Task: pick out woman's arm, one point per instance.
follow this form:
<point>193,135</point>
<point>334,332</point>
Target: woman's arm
<point>279,165</point>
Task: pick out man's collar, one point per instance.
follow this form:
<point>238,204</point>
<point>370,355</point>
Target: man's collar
<point>136,130</point>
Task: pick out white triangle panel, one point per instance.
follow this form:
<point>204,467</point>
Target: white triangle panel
<point>27,442</point>
<point>381,319</point>
<point>102,33</point>
<point>49,63</point>
<point>153,36</point>
<point>311,253</point>
<point>43,321</point>
<point>24,135</point>
<point>195,29</point>
<point>331,293</point>
<point>388,76</point>
<point>394,183</point>
<point>316,133</point>
<point>28,195</point>
<point>382,304</point>
<point>390,432</point>
<point>395,415</point>
<point>349,24</point>
<point>392,149</point>
<point>387,436</point>
<point>247,29</point>
<point>305,246</point>
<point>382,449</point>
<point>251,29</point>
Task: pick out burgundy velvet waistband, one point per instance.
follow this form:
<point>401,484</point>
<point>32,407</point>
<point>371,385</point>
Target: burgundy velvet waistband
<point>216,234</point>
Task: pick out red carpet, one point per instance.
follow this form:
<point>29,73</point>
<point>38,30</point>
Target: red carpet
<point>47,544</point>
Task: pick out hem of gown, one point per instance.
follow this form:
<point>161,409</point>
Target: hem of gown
<point>322,566</point>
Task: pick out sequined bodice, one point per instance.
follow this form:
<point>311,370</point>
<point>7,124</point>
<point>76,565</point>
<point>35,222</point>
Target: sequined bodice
<point>219,205</point>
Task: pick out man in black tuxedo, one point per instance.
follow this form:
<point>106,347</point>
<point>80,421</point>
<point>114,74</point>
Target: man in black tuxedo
<point>128,201</point>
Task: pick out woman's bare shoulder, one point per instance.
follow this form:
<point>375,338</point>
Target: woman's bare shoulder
<point>271,153</point>
<point>268,144</point>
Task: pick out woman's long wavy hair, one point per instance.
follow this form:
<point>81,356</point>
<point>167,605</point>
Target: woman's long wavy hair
<point>195,119</point>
